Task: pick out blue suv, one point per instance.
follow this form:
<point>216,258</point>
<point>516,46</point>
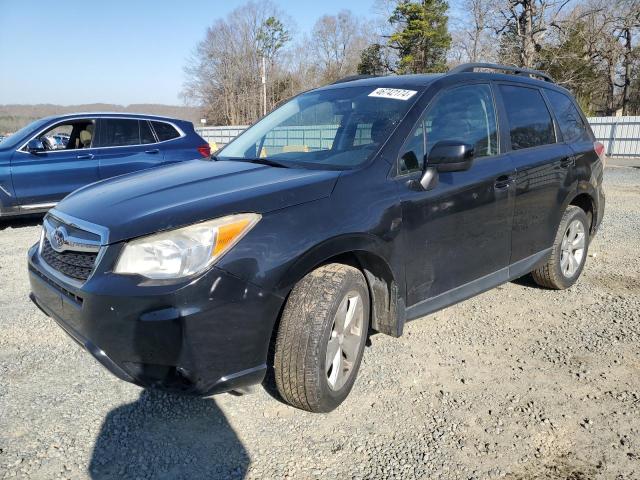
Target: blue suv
<point>37,172</point>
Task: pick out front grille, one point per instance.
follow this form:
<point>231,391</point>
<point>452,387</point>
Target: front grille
<point>78,265</point>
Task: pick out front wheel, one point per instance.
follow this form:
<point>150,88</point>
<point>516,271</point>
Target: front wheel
<point>569,252</point>
<point>321,338</point>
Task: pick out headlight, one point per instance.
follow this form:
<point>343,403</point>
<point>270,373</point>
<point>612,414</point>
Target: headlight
<point>184,251</point>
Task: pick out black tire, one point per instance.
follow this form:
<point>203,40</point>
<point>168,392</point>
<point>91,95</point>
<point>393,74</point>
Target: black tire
<point>550,275</point>
<point>305,329</point>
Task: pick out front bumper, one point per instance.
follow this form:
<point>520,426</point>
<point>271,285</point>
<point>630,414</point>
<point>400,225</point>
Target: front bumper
<point>206,336</point>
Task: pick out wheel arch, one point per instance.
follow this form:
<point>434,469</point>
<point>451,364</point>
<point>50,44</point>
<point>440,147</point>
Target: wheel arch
<point>367,253</point>
<point>585,198</point>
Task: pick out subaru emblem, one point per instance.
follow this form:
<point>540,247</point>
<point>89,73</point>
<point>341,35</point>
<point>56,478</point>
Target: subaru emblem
<point>58,239</point>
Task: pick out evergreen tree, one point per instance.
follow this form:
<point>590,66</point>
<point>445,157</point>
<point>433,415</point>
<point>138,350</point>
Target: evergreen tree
<point>371,61</point>
<point>422,38</point>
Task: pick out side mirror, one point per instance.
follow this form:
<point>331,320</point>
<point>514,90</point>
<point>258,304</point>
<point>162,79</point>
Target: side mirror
<point>451,156</point>
<point>35,146</point>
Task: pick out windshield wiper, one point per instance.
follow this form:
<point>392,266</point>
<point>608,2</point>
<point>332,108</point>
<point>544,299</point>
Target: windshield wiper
<point>267,161</point>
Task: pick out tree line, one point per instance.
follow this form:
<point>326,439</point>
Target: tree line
<point>588,46</point>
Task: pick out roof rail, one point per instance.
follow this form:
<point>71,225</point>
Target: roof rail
<point>526,72</point>
<point>351,78</point>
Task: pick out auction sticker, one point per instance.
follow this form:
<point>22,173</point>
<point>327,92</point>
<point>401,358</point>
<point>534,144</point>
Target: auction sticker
<point>393,93</point>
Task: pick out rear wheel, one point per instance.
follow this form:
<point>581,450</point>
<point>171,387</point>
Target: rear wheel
<point>321,338</point>
<point>569,252</point>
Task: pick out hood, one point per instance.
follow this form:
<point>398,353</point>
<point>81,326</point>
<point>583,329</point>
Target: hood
<point>183,193</point>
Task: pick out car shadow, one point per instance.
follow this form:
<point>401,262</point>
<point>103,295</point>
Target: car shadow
<point>527,281</point>
<point>168,436</point>
<point>21,222</point>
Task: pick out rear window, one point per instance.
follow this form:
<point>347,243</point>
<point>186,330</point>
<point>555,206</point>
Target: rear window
<point>165,131</point>
<point>568,116</point>
<point>529,119</point>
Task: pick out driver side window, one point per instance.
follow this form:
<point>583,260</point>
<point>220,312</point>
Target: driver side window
<point>466,114</point>
<point>72,135</point>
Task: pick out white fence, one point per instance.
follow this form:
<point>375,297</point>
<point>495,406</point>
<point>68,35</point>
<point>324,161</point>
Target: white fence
<point>620,135</point>
<point>220,136</point>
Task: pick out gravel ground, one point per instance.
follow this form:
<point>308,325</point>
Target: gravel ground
<point>519,382</point>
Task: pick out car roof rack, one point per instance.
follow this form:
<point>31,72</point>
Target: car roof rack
<point>526,72</point>
<point>351,78</point>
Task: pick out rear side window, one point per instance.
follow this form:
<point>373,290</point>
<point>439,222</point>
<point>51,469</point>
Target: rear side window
<point>165,131</point>
<point>568,116</point>
<point>117,132</point>
<point>529,119</point>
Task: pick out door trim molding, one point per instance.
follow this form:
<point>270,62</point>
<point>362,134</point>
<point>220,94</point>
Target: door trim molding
<point>38,206</point>
<point>475,287</point>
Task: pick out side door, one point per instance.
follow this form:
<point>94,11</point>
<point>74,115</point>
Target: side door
<point>575,134</point>
<point>541,165</point>
<point>43,178</point>
<point>126,145</point>
<point>457,235</point>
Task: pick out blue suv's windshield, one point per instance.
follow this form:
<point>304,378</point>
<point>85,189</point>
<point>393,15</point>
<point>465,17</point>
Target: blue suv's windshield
<point>25,131</point>
<point>332,128</point>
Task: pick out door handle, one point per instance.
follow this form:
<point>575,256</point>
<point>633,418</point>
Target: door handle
<point>155,150</point>
<point>502,182</point>
<point>568,162</point>
<point>85,156</point>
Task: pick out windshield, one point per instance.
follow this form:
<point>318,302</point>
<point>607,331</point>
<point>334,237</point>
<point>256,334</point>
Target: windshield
<point>333,128</point>
<point>25,131</point>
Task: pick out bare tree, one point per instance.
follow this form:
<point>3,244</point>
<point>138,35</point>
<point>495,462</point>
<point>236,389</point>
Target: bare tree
<point>223,75</point>
<point>628,22</point>
<point>338,41</point>
<point>525,23</point>
<point>473,38</point>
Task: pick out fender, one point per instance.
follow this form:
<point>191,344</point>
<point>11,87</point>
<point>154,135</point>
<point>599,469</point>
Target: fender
<point>370,254</point>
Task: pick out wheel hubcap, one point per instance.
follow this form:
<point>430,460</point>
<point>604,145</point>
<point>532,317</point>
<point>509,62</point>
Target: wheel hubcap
<point>345,340</point>
<point>572,248</point>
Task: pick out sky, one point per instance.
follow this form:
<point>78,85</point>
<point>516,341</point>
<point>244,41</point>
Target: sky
<point>117,51</point>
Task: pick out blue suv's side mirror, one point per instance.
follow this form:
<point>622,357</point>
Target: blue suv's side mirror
<point>35,145</point>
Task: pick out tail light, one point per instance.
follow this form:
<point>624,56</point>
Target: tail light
<point>205,150</point>
<point>599,149</point>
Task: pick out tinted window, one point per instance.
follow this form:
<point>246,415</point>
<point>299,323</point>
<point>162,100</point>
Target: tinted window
<point>465,114</point>
<point>412,158</point>
<point>567,115</point>
<point>119,132</point>
<point>146,135</point>
<point>529,119</point>
<point>164,131</point>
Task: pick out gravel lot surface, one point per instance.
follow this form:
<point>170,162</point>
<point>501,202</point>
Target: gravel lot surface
<point>519,382</point>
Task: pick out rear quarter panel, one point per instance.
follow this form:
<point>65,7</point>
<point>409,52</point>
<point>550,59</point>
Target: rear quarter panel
<point>184,148</point>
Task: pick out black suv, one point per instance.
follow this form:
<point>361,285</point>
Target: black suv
<point>349,210</point>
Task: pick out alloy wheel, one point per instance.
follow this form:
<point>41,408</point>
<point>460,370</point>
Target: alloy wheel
<point>572,248</point>
<point>345,340</point>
